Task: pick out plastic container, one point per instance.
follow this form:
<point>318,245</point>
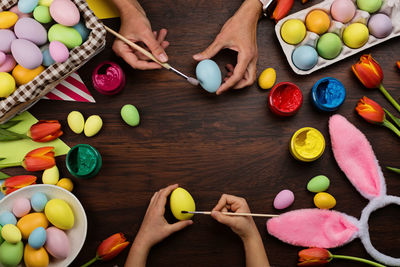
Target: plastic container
<point>328,94</point>
<point>108,78</point>
<point>83,161</point>
<point>307,144</point>
<point>285,99</point>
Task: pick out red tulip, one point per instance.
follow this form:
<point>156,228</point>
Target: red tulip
<point>282,8</point>
<point>368,71</point>
<point>370,110</point>
<point>14,183</point>
<point>39,159</point>
<point>398,64</point>
<point>45,131</point>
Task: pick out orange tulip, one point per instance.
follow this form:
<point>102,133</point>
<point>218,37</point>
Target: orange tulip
<point>314,257</point>
<point>370,110</point>
<point>37,160</point>
<point>282,8</point>
<point>14,183</point>
<point>45,131</point>
<point>398,64</point>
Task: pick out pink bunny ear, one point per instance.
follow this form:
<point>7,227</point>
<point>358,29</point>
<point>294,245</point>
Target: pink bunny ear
<point>314,228</point>
<point>356,158</point>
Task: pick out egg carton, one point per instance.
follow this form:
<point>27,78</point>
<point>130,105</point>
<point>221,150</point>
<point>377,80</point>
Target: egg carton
<point>389,7</point>
<point>28,94</point>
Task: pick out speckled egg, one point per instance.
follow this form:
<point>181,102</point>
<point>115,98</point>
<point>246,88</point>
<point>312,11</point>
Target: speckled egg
<point>57,243</point>
<point>343,10</point>
<point>21,207</point>
<point>6,217</point>
<point>283,199</point>
<point>35,257</point>
<point>293,31</point>
<point>380,25</point>
<point>7,19</point>
<point>93,125</point>
<point>23,75</point>
<point>209,75</point>
<point>38,201</point>
<point>37,238</point>
<point>180,200</point>
<point>355,35</point>
<point>64,12</point>
<point>26,53</point>
<point>8,64</point>
<point>305,57</point>
<point>27,6</point>
<point>6,37</point>
<point>318,21</point>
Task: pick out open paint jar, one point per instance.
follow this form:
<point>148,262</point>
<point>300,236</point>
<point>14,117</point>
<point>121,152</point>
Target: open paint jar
<point>83,161</point>
<point>307,144</point>
<point>328,94</point>
<point>285,99</point>
<point>108,78</point>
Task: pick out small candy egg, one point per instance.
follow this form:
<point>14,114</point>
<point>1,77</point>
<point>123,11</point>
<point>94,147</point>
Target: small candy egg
<point>318,184</point>
<point>66,183</point>
<point>11,254</point>
<point>57,243</point>
<point>2,58</point>
<point>24,76</point>
<point>305,57</point>
<point>37,238</point>
<point>31,30</point>
<point>324,200</point>
<point>1,238</point>
<point>7,19</point>
<point>293,31</point>
<point>329,45</point>
<point>380,25</point>
<point>51,176</point>
<point>27,6</point>
<point>7,217</point>
<point>93,125</point>
<point>318,21</point>
<point>66,35</point>
<point>209,75</point>
<point>6,37</point>
<point>130,115</point>
<point>343,10</point>
<point>30,222</point>
<point>47,59</point>
<point>20,14</point>
<point>267,78</point>
<point>83,31</point>
<point>58,51</point>
<point>370,6</point>
<point>64,12</point>
<point>283,199</point>
<point>11,233</point>
<point>45,2</point>
<point>38,201</point>
<point>26,53</point>
<point>7,84</point>
<point>59,214</point>
<point>355,35</point>
<point>42,14</point>
<point>181,200</point>
<point>9,64</point>
<point>21,207</point>
<point>35,257</point>
<point>76,121</point>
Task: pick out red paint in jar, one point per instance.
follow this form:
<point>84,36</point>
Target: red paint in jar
<point>108,78</point>
<point>285,99</point>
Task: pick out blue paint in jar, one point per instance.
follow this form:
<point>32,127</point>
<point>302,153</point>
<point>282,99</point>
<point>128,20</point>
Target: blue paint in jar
<point>328,94</point>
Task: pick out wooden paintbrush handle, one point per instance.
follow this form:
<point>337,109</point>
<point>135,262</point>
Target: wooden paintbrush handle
<point>238,214</point>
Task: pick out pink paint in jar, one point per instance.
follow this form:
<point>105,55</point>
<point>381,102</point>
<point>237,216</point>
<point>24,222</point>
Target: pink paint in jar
<point>108,78</point>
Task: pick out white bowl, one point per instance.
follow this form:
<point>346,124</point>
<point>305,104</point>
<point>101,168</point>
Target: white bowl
<point>76,235</point>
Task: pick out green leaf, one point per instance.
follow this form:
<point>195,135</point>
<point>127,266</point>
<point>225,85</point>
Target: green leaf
<point>393,118</point>
<point>6,135</point>
<point>396,170</point>
<point>9,124</point>
<point>3,176</point>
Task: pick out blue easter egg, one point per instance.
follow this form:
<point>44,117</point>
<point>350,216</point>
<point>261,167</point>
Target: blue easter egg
<point>7,218</point>
<point>47,59</point>
<point>37,238</point>
<point>305,57</point>
<point>83,31</point>
<point>209,75</point>
<point>38,201</point>
<point>27,6</point>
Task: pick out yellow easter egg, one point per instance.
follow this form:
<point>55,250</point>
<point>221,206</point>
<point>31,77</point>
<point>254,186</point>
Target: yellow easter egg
<point>60,214</point>
<point>7,19</point>
<point>7,84</point>
<point>355,35</point>
<point>293,31</point>
<point>318,21</point>
<point>11,233</point>
<point>35,257</point>
<point>66,184</point>
<point>30,222</point>
<point>23,75</point>
<point>324,200</point>
<point>45,3</point>
<point>267,78</point>
<point>93,125</point>
<point>76,121</point>
<point>51,176</point>
<point>181,200</point>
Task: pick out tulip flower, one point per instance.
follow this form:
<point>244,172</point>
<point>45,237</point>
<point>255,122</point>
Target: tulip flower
<point>398,64</point>
<point>321,256</point>
<point>37,160</point>
<point>109,248</point>
<point>14,183</point>
<point>45,131</point>
<point>370,74</point>
<point>282,8</point>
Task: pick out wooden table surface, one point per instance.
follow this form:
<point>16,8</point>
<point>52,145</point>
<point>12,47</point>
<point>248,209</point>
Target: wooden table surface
<point>212,145</point>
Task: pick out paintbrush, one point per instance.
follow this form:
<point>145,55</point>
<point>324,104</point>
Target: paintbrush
<point>191,80</point>
<point>232,213</point>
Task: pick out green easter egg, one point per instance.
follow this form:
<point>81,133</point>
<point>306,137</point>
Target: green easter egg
<point>370,6</point>
<point>42,14</point>
<point>11,254</point>
<point>130,115</point>
<point>45,2</point>
<point>66,35</point>
<point>1,238</point>
<point>329,45</point>
<point>318,184</point>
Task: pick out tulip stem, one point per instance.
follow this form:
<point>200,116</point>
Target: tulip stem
<point>395,119</point>
<point>396,170</point>
<point>357,259</point>
<point>389,97</point>
<point>389,125</point>
<point>91,261</point>
<point>12,164</point>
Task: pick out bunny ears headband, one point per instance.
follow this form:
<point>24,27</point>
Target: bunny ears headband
<point>327,228</point>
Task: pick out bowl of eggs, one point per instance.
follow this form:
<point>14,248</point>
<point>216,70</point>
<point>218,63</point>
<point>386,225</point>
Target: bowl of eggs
<point>332,30</point>
<point>41,225</point>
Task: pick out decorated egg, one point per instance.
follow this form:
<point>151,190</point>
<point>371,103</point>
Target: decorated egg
<point>7,84</point>
<point>66,183</point>
<point>51,176</point>
<point>283,199</point>
<point>83,31</point>
<point>38,201</point>
<point>6,217</point>
<point>6,37</point>
<point>380,25</point>
<point>64,12</point>
<point>58,51</point>
<point>66,35</point>
<point>59,214</point>
<point>45,2</point>
<point>26,53</point>
<point>11,233</point>
<point>76,121</point>
<point>329,45</point>
<point>355,35</point>
<point>11,254</point>
<point>343,10</point>
<point>209,75</point>
<point>324,200</point>
<point>293,31</point>
<point>37,238</point>
<point>21,207</point>
<point>2,58</point>
<point>370,6</point>
<point>31,30</point>
<point>30,222</point>
<point>47,59</point>
<point>318,21</point>
<point>317,184</point>
<point>305,57</point>
<point>57,243</point>
<point>42,14</point>
<point>20,14</point>
<point>180,200</point>
<point>93,125</point>
<point>24,76</point>
<point>27,6</point>
<point>267,78</point>
<point>35,257</point>
<point>7,19</point>
<point>1,238</point>
<point>130,115</point>
<point>8,64</point>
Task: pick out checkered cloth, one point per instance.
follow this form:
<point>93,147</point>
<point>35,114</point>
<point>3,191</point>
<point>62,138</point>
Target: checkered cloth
<point>28,94</point>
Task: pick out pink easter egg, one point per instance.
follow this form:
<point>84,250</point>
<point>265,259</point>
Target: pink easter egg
<point>58,51</point>
<point>15,10</point>
<point>283,199</point>
<point>343,10</point>
<point>8,64</point>
<point>6,37</point>
<point>2,58</point>
<point>21,207</point>
<point>57,243</point>
<point>64,12</point>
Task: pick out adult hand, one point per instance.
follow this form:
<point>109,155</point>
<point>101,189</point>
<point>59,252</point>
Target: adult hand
<point>239,33</point>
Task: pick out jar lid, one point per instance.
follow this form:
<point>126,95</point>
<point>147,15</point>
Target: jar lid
<point>328,94</point>
<point>108,78</point>
<point>285,99</point>
<point>307,144</point>
<point>83,161</point>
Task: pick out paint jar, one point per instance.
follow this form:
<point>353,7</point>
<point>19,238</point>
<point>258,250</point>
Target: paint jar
<point>108,78</point>
<point>328,94</point>
<point>285,99</point>
<point>307,144</point>
<point>83,161</point>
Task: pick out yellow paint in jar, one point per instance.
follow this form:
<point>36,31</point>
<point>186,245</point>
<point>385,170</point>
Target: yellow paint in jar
<point>307,144</point>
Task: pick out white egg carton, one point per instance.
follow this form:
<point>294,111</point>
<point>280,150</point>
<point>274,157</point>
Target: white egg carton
<point>389,7</point>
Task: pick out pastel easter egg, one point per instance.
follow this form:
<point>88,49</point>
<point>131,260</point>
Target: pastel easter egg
<point>21,207</point>
<point>23,75</point>
<point>329,45</point>
<point>51,176</point>
<point>58,51</point>
<point>66,35</point>
<point>267,78</point>
<point>370,6</point>
<point>93,125</point>
<point>305,57</point>
<point>27,6</point>
<point>343,10</point>
<point>76,121</point>
<point>26,53</point>
<point>83,31</point>
<point>38,201</point>
<point>66,183</point>
<point>37,238</point>
<point>6,37</point>
<point>2,58</point>
<point>45,2</point>
<point>6,217</point>
<point>130,115</point>
<point>42,14</point>
<point>60,214</point>
<point>35,257</point>
<point>20,14</point>
<point>293,31</point>
<point>209,75</point>
<point>7,19</point>
<point>30,222</point>
<point>355,35</point>
<point>318,21</point>
<point>1,238</point>
<point>11,233</point>
<point>64,12</point>
<point>31,30</point>
<point>11,254</point>
<point>180,200</point>
<point>7,84</point>
<point>324,200</point>
<point>283,199</point>
<point>8,64</point>
<point>57,243</point>
<point>380,25</point>
<point>317,184</point>
<point>47,59</point>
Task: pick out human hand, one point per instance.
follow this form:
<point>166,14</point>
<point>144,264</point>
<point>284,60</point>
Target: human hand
<point>239,33</point>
